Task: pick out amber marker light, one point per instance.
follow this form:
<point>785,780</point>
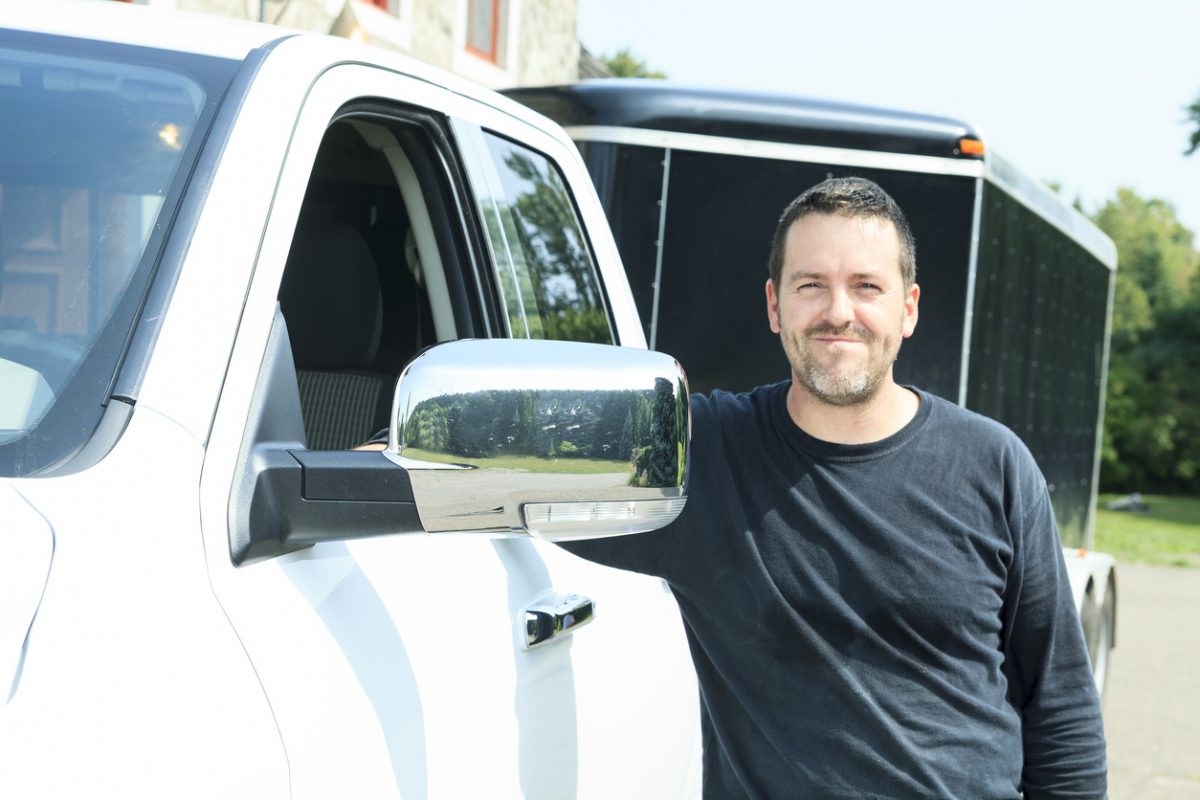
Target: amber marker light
<point>970,147</point>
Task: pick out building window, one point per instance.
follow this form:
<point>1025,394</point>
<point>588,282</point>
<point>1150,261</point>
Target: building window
<point>486,20</point>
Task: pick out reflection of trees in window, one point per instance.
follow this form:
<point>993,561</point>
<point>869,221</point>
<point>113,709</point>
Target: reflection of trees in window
<point>563,278</point>
<point>520,302</point>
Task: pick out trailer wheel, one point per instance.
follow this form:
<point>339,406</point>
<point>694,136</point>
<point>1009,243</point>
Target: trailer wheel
<point>1097,621</point>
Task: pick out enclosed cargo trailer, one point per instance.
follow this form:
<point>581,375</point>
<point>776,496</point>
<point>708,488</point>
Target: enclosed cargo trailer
<point>1016,286</point>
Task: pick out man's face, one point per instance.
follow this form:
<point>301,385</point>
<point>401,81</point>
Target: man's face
<point>841,308</point>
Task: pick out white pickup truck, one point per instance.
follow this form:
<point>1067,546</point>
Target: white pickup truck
<point>221,245</point>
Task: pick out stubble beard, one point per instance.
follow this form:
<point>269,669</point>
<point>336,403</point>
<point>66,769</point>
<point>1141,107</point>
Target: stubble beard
<point>840,386</point>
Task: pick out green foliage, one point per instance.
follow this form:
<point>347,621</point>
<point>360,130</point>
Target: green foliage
<point>1194,116</point>
<point>1152,417</point>
<point>624,64</point>
<point>1155,249</point>
<point>1167,533</point>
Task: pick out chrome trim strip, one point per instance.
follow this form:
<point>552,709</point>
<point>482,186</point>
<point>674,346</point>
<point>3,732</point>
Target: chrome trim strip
<point>485,189</point>
<point>658,246</point>
<point>1089,524</point>
<point>754,148</point>
<point>969,311</point>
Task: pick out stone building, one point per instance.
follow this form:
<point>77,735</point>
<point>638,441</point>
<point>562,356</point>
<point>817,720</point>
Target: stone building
<point>498,43</point>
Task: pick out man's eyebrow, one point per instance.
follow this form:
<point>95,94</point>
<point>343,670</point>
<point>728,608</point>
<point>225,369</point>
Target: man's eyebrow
<point>800,274</point>
<point>804,274</point>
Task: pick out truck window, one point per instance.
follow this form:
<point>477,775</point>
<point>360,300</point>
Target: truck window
<point>95,150</point>
<point>373,275</point>
<point>545,267</point>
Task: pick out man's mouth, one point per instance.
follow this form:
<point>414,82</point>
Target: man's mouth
<point>830,337</point>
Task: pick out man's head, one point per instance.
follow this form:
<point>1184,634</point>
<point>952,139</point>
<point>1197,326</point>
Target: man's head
<point>846,197</point>
<point>841,293</point>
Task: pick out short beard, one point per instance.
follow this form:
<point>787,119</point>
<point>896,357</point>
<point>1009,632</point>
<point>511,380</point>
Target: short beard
<point>831,388</point>
<point>839,390</point>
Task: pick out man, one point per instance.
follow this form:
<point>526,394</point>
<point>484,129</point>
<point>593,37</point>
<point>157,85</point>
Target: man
<point>870,576</point>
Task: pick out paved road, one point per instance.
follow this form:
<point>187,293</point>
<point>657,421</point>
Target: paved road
<point>1152,708</point>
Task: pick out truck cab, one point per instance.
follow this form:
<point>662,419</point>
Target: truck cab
<point>232,255</point>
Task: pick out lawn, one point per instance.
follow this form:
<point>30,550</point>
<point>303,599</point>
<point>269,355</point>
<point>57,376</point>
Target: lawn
<point>1167,533</point>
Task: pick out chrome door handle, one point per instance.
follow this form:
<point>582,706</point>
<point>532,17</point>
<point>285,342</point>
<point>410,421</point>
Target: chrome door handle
<point>555,616</point>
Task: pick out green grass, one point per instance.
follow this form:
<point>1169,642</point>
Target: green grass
<point>1168,533</point>
<point>526,463</point>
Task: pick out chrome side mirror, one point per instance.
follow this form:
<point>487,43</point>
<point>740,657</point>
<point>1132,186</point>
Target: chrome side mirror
<point>562,440</point>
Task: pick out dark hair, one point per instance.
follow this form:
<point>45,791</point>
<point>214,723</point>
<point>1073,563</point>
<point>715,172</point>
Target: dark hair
<point>846,197</point>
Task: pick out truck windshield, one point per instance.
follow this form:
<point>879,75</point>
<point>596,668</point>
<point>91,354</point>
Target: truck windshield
<point>96,141</point>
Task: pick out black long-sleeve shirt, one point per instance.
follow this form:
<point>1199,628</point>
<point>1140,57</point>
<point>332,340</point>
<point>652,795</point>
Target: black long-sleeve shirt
<point>885,620</point>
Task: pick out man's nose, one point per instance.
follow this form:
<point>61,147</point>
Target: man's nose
<point>839,310</point>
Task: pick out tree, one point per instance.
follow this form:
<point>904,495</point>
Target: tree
<point>1194,115</point>
<point>624,64</point>
<point>1154,249</point>
<point>1152,426</point>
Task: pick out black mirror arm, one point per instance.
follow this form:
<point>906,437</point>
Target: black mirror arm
<point>303,497</point>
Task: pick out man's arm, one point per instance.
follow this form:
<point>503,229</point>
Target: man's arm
<point>639,552</point>
<point>1046,662</point>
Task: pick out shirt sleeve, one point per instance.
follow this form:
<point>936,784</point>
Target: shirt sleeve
<point>637,552</point>
<point>661,552</point>
<point>1046,661</point>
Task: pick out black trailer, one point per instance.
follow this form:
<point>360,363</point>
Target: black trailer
<point>1016,286</point>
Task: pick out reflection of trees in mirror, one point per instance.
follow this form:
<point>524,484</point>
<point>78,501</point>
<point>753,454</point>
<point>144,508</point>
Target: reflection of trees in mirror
<point>565,286</point>
<point>658,463</point>
<point>619,428</point>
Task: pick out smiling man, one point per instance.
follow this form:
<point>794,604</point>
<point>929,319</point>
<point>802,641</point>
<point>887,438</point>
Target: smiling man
<point>870,576</point>
<point>842,295</point>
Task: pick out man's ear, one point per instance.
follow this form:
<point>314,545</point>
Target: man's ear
<point>911,297</point>
<point>772,306</point>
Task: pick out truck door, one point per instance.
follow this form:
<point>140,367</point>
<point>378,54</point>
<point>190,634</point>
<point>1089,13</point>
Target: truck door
<point>400,666</point>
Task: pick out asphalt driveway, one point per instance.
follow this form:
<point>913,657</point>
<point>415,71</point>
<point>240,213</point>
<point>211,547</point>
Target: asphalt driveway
<point>1152,707</point>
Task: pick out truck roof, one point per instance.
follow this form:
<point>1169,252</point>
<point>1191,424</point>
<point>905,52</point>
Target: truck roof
<point>763,116</point>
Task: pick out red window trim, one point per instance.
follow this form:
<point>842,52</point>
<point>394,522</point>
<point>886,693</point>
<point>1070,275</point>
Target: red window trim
<point>494,56</point>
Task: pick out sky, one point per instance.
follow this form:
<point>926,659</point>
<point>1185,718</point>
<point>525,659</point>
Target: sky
<point>1089,95</point>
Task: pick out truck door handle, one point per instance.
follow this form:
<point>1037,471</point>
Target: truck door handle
<point>555,616</point>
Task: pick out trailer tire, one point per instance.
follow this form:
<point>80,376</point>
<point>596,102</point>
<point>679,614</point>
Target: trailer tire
<point>1098,626</point>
